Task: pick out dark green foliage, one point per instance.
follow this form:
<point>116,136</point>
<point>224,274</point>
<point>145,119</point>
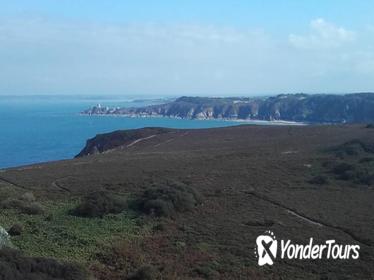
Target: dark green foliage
<point>15,230</point>
<point>25,204</point>
<point>208,270</point>
<point>367,179</point>
<point>165,201</point>
<point>33,209</point>
<point>14,266</point>
<point>366,160</point>
<point>370,125</point>
<point>159,227</point>
<point>353,148</point>
<point>57,234</point>
<point>347,172</point>
<point>98,204</point>
<point>159,207</point>
<point>143,273</point>
<point>342,168</point>
<point>358,173</point>
<point>353,175</point>
<point>319,180</point>
<point>355,163</point>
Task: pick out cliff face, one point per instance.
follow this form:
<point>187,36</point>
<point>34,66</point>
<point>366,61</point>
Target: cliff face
<point>108,141</point>
<point>350,108</point>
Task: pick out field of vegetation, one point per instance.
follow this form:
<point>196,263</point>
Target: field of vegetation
<point>190,204</point>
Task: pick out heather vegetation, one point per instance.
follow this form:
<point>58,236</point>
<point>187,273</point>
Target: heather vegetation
<point>15,266</point>
<point>190,205</point>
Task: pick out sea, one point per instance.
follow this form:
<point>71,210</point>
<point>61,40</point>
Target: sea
<point>35,129</point>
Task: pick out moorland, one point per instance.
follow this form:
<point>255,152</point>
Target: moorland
<point>188,204</point>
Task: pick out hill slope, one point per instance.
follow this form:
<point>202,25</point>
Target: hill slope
<point>250,178</point>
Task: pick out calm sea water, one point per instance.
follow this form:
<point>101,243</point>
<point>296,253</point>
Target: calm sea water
<point>40,129</point>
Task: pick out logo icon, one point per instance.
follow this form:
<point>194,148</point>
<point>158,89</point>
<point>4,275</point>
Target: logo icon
<point>267,246</point>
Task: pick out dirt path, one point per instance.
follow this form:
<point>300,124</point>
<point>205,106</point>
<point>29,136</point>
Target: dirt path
<point>166,142</point>
<point>13,184</point>
<point>304,218</point>
<point>312,220</point>
<point>58,186</point>
<point>140,140</point>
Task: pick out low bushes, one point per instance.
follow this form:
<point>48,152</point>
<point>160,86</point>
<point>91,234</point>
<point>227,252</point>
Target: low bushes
<point>353,147</point>
<point>15,230</point>
<point>366,160</point>
<point>342,168</point>
<point>144,273</point>
<point>353,162</point>
<point>124,257</point>
<point>25,204</point>
<point>167,200</point>
<point>98,204</point>
<point>358,173</point>
<point>319,180</point>
<point>15,266</point>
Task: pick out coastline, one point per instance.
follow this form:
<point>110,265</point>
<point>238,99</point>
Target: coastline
<point>243,121</point>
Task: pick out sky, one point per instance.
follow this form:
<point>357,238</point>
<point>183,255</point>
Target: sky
<point>160,48</point>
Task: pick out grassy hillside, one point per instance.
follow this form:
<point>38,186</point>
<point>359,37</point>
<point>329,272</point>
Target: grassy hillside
<point>189,204</point>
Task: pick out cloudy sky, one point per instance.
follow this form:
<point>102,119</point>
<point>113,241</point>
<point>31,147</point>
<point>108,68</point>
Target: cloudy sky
<point>236,47</point>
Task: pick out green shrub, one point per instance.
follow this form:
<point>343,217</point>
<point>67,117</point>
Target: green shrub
<point>319,180</point>
<point>25,204</point>
<point>33,208</point>
<point>15,230</point>
<point>366,160</point>
<point>353,147</point>
<point>158,207</point>
<point>358,173</point>
<point>165,201</point>
<point>342,167</point>
<point>15,266</point>
<point>370,125</point>
<point>29,197</point>
<point>98,204</point>
<point>144,273</point>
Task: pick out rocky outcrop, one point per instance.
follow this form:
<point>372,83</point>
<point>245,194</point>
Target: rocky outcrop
<point>319,108</point>
<point>108,141</point>
<point>4,239</point>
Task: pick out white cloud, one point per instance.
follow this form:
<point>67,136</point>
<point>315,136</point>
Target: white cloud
<point>322,35</point>
<point>40,56</point>
<point>138,58</point>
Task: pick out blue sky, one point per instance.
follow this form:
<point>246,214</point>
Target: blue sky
<point>186,47</point>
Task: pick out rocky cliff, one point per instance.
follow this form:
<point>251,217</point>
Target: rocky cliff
<point>319,108</point>
<point>108,141</point>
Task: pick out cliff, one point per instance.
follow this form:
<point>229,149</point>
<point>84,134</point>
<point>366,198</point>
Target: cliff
<point>320,108</point>
<point>108,141</point>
